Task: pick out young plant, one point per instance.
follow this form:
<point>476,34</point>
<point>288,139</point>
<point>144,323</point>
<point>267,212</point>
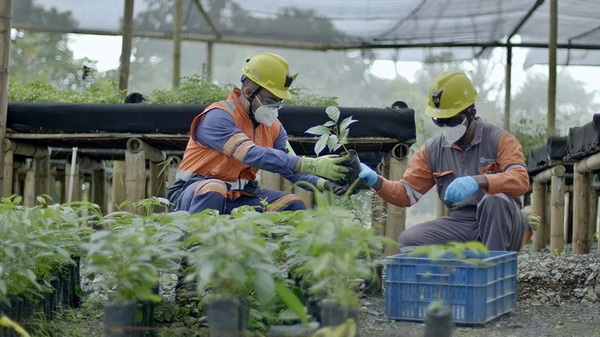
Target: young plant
<point>332,134</point>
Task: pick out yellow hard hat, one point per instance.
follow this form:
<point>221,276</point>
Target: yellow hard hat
<point>271,72</point>
<point>450,94</point>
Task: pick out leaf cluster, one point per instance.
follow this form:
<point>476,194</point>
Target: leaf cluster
<point>36,242</point>
<point>332,134</point>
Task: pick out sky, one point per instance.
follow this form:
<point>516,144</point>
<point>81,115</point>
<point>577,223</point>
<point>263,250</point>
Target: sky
<point>106,51</point>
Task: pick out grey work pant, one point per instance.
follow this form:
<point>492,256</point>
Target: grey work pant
<point>497,222</point>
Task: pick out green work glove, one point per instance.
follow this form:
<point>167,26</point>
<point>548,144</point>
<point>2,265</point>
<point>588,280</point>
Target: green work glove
<point>533,218</point>
<point>329,167</point>
<point>335,188</point>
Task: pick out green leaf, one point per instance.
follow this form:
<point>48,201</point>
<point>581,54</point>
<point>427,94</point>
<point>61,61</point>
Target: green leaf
<point>321,143</point>
<point>2,288</point>
<point>346,122</point>
<point>292,302</point>
<point>329,123</point>
<point>332,142</point>
<point>318,130</point>
<point>333,112</point>
<point>264,286</point>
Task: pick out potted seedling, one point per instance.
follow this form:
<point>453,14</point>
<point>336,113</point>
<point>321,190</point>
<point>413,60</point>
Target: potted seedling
<point>125,261</point>
<point>333,135</point>
<point>229,261</point>
<point>330,251</point>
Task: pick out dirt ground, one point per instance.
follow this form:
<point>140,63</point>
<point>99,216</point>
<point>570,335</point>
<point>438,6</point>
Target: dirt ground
<point>525,321</point>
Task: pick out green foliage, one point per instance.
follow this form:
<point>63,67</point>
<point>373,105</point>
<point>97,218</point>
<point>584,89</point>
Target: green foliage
<point>332,134</point>
<point>37,241</point>
<point>100,92</point>
<point>303,97</point>
<point>195,89</point>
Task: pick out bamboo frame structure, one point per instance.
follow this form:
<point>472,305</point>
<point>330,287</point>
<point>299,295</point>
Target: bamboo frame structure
<point>539,192</point>
<point>582,222</point>
<point>396,216</point>
<point>555,176</point>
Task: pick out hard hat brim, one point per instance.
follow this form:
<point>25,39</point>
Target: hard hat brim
<point>441,113</point>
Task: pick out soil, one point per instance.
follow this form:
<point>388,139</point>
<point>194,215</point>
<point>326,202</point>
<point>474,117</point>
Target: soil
<point>569,319</point>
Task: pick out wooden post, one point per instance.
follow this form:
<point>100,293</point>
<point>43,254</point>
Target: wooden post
<point>29,186</point>
<point>384,170</point>
<point>440,208</point>
<point>118,185</point>
<point>5,29</point>
<point>593,215</point>
<point>76,196</point>
<point>135,176</point>
<point>539,204</point>
<point>98,194</point>
<point>285,185</point>
<point>52,185</point>
<point>568,230</point>
<point>306,196</point>
<point>42,175</point>
<point>177,23</point>
<point>557,213</point>
<point>508,87</point>
<point>126,45</point>
<point>209,61</point>
<point>396,216</point>
<point>270,180</point>
<point>552,45</point>
<point>7,181</point>
<point>158,183</point>
<point>581,212</point>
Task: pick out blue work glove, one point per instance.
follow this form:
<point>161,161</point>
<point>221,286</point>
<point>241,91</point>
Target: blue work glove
<point>367,174</point>
<point>461,188</point>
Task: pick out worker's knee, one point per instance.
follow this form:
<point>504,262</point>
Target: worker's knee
<point>287,202</point>
<point>407,238</point>
<point>495,201</point>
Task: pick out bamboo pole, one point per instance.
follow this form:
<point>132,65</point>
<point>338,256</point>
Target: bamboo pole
<point>581,212</point>
<point>593,215</point>
<point>507,96</point>
<point>539,204</point>
<point>151,153</point>
<point>209,61</point>
<point>7,181</point>
<point>557,213</point>
<point>26,149</point>
<point>177,23</point>
<point>135,176</point>
<point>158,183</point>
<point>270,180</point>
<point>5,28</point>
<point>118,185</point>
<point>546,175</point>
<point>396,216</point>
<point>385,172</point>
<point>98,195</point>
<point>552,44</point>
<point>42,175</point>
<point>568,231</point>
<point>29,186</point>
<point>126,45</point>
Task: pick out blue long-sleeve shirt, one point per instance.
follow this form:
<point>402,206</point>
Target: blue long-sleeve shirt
<point>218,126</point>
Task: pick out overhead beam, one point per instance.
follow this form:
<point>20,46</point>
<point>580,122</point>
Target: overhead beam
<point>519,25</point>
<point>208,20</point>
<point>306,45</point>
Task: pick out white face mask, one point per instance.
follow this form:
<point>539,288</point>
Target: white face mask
<point>266,114</point>
<point>454,133</point>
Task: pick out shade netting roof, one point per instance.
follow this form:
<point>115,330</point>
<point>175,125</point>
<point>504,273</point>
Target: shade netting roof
<point>333,24</point>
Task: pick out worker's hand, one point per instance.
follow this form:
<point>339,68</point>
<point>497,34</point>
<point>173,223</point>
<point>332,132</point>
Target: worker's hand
<point>329,167</point>
<point>336,188</point>
<point>368,174</point>
<point>461,188</point>
<point>533,218</point>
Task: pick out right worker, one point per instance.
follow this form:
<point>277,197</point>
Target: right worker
<point>478,169</point>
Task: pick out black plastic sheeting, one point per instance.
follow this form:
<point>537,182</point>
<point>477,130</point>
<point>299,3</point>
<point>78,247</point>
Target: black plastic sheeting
<point>540,157</point>
<point>395,123</point>
<point>585,140</point>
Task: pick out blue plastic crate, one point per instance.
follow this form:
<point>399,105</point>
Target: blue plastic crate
<point>476,293</point>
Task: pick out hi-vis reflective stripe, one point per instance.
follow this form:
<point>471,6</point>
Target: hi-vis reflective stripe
<point>282,202</point>
<point>232,142</point>
<point>241,150</point>
<point>413,195</point>
<point>212,185</point>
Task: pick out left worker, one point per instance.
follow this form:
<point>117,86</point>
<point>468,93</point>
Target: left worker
<point>232,139</point>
